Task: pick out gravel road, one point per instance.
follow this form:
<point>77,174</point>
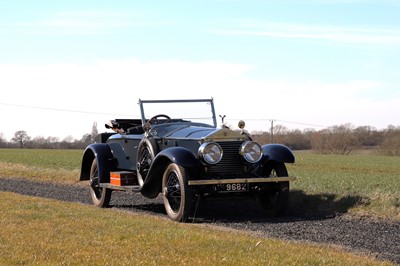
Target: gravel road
<point>363,235</point>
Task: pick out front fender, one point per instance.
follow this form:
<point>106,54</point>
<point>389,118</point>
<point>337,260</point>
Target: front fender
<point>181,156</point>
<point>278,152</point>
<point>104,157</point>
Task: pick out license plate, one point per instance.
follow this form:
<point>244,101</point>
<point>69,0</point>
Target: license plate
<point>236,187</point>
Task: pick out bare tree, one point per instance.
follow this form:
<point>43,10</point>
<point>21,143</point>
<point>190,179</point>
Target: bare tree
<point>261,137</point>
<point>297,140</point>
<point>391,143</point>
<point>21,137</point>
<point>54,142</point>
<point>342,141</point>
<point>39,142</point>
<point>67,142</point>
<point>368,136</point>
<point>87,139</point>
<point>335,140</point>
<point>319,141</point>
<point>279,134</point>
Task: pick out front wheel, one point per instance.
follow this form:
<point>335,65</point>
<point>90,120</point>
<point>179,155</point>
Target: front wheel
<point>275,196</point>
<point>100,196</point>
<point>177,196</point>
<point>147,150</point>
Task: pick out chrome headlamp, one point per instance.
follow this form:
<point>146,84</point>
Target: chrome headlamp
<point>251,151</point>
<point>210,152</point>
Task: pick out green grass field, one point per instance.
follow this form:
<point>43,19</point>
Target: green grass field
<point>46,165</point>
<point>37,231</point>
<point>362,184</point>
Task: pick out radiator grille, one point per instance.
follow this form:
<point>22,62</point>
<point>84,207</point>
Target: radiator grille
<point>231,162</point>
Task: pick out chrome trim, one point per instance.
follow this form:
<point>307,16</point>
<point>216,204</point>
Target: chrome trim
<point>244,154</point>
<point>121,188</point>
<point>202,154</point>
<point>241,180</point>
<point>224,134</point>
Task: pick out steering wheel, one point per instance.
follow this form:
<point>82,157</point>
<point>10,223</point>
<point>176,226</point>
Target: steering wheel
<point>154,119</point>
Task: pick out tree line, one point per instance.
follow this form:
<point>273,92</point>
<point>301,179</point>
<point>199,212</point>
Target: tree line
<point>22,140</point>
<point>339,139</point>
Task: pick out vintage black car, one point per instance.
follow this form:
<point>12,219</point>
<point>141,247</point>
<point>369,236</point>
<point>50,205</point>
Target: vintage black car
<point>187,158</point>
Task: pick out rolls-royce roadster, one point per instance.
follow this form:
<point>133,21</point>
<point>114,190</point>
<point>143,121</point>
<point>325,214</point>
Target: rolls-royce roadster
<point>177,150</point>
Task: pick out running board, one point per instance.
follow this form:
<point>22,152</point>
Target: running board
<point>121,188</point>
<point>241,180</point>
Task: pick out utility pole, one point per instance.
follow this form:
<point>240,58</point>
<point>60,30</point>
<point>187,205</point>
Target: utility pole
<point>272,130</point>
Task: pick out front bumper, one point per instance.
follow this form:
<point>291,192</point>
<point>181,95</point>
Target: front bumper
<point>241,180</point>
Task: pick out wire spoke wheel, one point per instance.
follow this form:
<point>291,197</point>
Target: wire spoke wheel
<point>173,191</point>
<point>177,195</point>
<point>145,160</point>
<point>274,197</point>
<point>100,196</point>
<point>147,150</point>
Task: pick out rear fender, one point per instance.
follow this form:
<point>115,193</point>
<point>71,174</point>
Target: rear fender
<point>278,152</point>
<point>181,156</point>
<point>105,162</point>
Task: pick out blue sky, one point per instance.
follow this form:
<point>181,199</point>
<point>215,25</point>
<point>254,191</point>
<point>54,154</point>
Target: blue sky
<point>310,63</point>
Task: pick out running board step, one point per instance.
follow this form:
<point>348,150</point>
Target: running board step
<point>135,188</point>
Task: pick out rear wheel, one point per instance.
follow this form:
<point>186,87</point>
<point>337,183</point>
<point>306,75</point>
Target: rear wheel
<point>274,197</point>
<point>100,196</point>
<point>177,196</point>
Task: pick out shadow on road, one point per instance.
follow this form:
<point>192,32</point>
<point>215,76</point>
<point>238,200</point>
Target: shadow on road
<point>301,207</point>
<point>322,205</point>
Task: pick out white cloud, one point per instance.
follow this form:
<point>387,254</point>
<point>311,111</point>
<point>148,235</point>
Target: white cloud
<point>313,102</point>
<point>114,87</point>
<point>357,35</point>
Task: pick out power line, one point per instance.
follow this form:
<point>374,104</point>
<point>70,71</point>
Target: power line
<point>284,121</point>
<point>60,110</point>
<point>299,123</point>
<point>113,114</point>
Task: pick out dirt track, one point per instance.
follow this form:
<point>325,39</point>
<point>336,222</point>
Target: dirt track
<point>374,237</point>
